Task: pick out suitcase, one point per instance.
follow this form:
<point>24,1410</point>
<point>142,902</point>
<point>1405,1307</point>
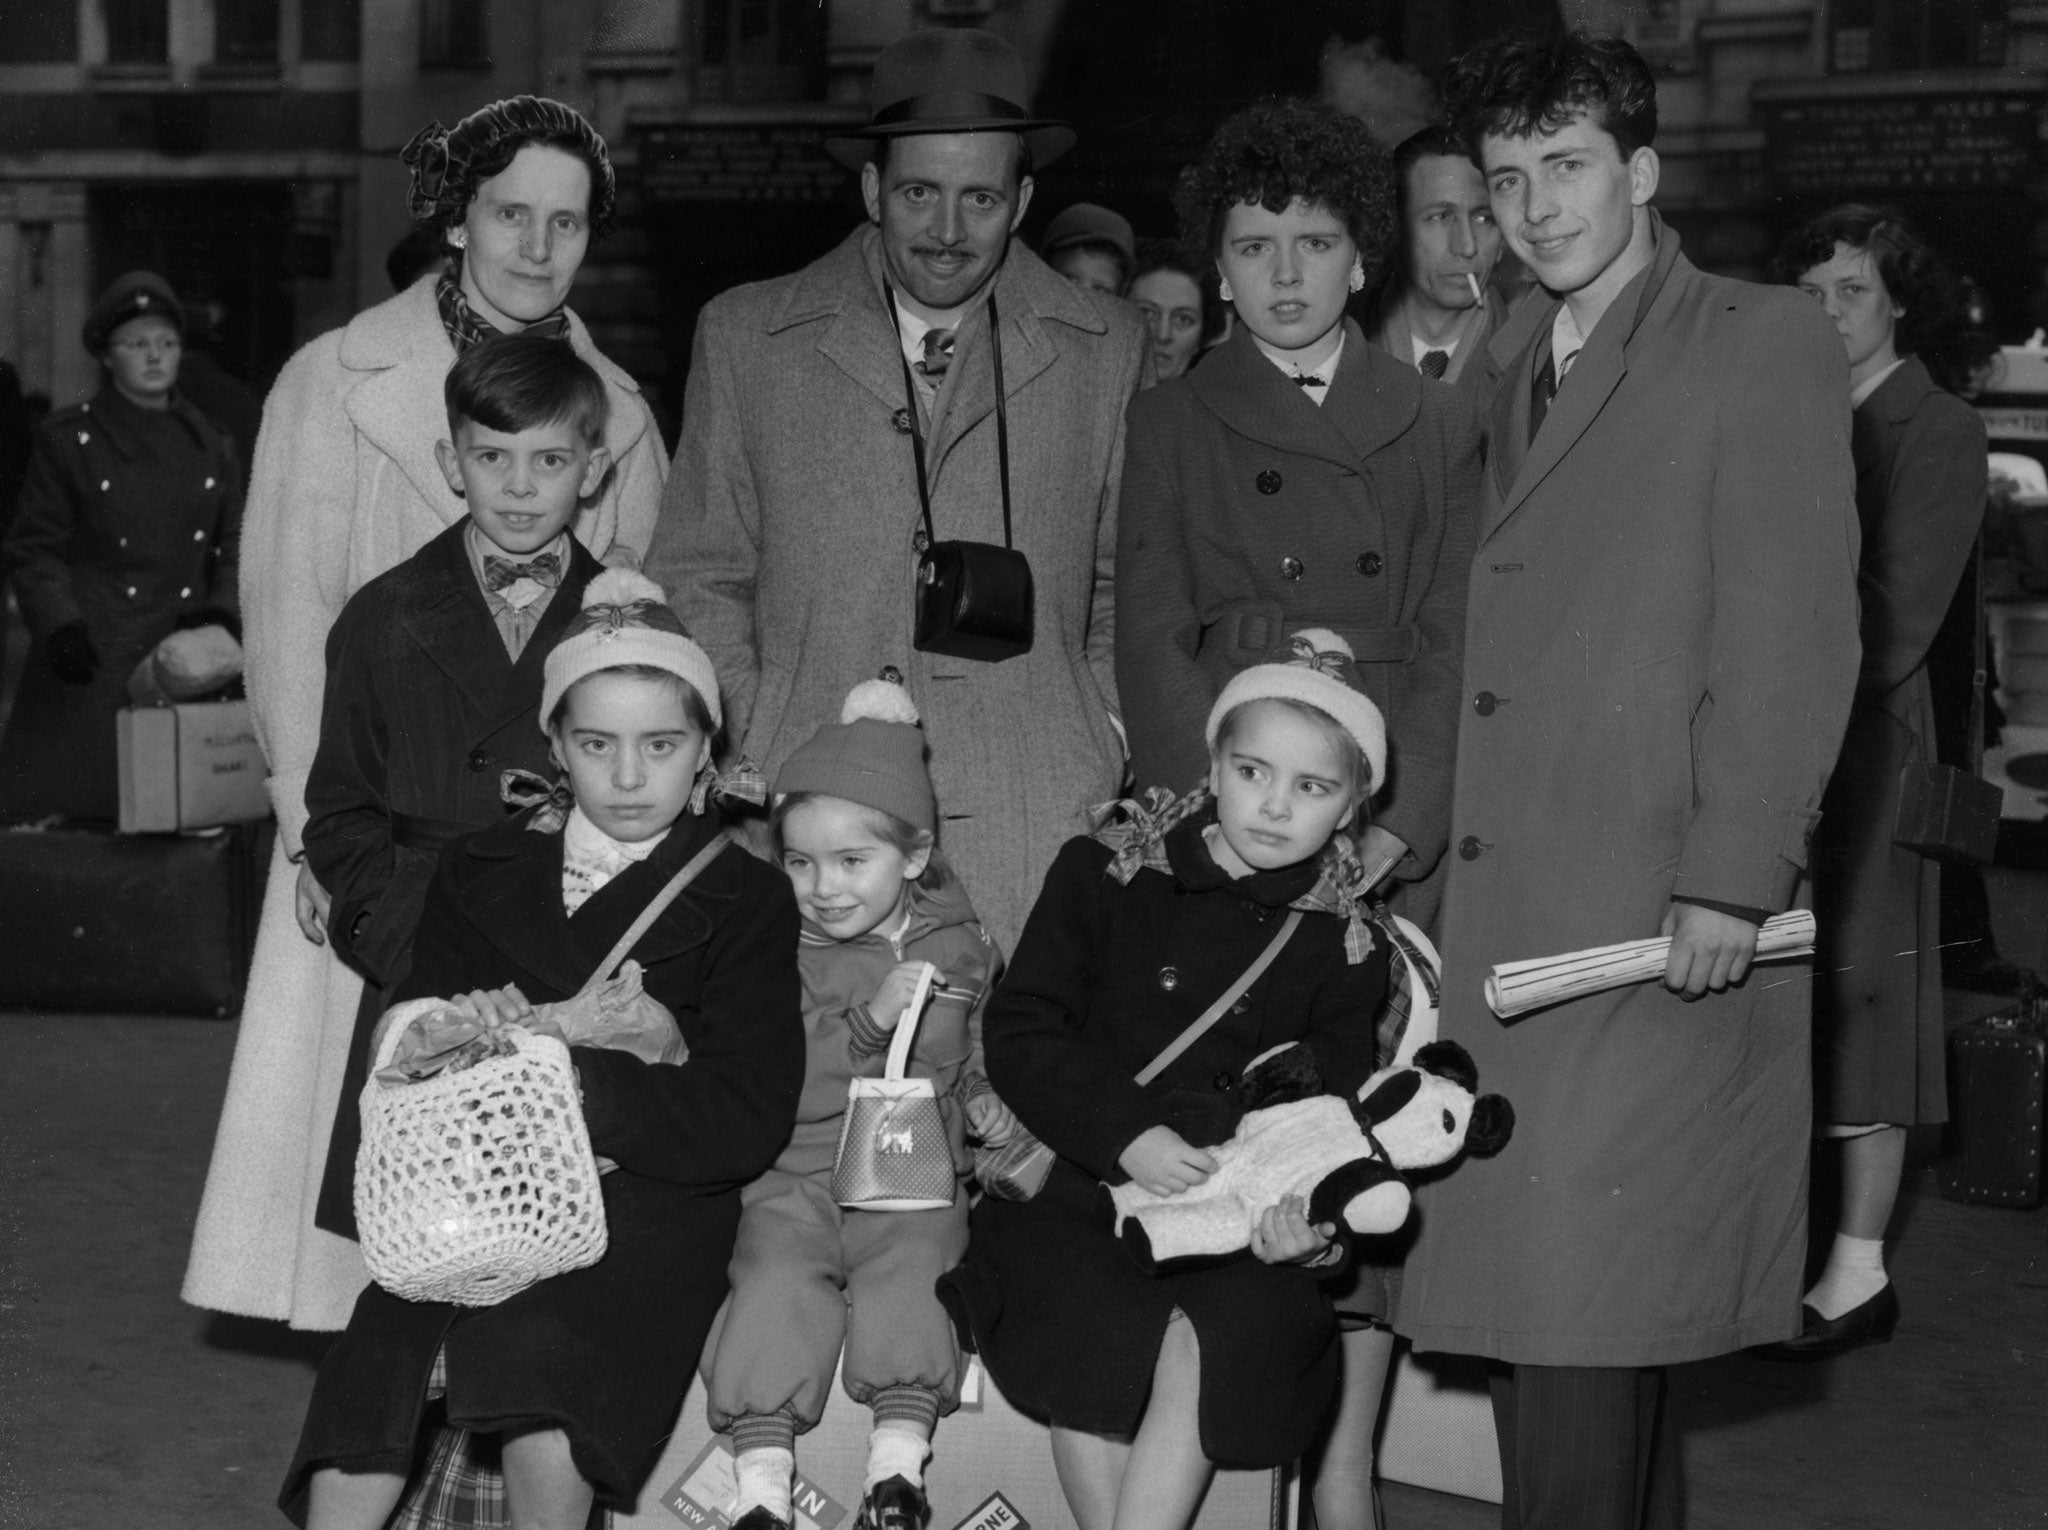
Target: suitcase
<point>153,924</point>
<point>1998,1088</point>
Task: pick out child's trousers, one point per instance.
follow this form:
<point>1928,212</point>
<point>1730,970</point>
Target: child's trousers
<point>809,1276</point>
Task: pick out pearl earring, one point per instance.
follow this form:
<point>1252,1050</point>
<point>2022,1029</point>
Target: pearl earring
<point>1358,276</point>
<point>1223,290</point>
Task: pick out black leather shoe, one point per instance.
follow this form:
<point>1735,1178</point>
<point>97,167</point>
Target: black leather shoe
<point>761,1517</point>
<point>894,1503</point>
<point>1869,1322</point>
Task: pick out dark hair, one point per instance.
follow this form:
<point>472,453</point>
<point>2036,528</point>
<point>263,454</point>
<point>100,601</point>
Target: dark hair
<point>520,382</point>
<point>1171,255</point>
<point>905,838</point>
<point>693,704</point>
<point>1519,84</point>
<point>1019,171</point>
<point>449,164</point>
<point>1436,141</point>
<point>1282,149</point>
<point>1935,325</point>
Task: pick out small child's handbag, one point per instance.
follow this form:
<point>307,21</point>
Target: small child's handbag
<point>894,1152</point>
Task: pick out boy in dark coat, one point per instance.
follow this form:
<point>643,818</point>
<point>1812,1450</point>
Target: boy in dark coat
<point>434,673</point>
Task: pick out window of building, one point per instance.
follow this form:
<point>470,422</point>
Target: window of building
<point>331,30</point>
<point>245,31</point>
<point>138,31</point>
<point>1917,34</point>
<point>760,49</point>
<point>40,32</point>
<point>454,34</point>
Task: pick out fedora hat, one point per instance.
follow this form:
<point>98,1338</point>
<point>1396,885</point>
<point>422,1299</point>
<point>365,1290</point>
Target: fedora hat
<point>950,80</point>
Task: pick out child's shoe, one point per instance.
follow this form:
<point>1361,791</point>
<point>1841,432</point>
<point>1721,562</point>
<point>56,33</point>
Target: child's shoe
<point>894,1503</point>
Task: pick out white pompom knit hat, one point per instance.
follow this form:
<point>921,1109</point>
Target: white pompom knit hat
<point>626,620</point>
<point>1316,667</point>
<point>873,755</point>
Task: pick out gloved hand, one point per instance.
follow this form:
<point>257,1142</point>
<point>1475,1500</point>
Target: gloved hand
<point>70,654</point>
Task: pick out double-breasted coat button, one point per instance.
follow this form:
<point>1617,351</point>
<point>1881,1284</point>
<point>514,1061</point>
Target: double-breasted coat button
<point>1485,703</point>
<point>186,593</point>
<point>123,542</point>
<point>921,540</point>
<point>84,436</point>
<point>106,484</point>
<point>1267,482</point>
<point>901,420</point>
<point>1471,847</point>
<point>1370,564</point>
<point>1241,1006</point>
<point>197,536</point>
<point>478,760</point>
<point>1223,1082</point>
<point>131,592</point>
<point>209,483</point>
<point>1291,568</point>
<point>891,674</point>
<point>1169,978</point>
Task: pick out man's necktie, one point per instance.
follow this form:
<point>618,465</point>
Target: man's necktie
<point>502,573</point>
<point>1543,392</point>
<point>1433,363</point>
<point>938,353</point>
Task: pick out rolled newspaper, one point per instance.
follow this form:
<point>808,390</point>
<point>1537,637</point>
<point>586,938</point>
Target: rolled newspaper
<point>1515,988</point>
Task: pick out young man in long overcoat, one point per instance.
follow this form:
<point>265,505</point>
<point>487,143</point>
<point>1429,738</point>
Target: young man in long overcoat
<point>1660,654</point>
<point>790,536</point>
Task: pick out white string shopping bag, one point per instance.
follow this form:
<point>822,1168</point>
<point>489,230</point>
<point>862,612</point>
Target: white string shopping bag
<point>894,1154</point>
<point>475,1183</point>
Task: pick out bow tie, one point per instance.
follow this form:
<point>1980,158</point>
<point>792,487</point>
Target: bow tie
<point>1310,380</point>
<point>501,573</point>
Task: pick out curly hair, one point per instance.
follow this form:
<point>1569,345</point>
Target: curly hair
<point>1276,151</point>
<point>447,165</point>
<point>1518,84</point>
<point>1935,325</point>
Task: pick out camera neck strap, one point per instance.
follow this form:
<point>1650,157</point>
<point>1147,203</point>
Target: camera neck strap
<point>924,493</point>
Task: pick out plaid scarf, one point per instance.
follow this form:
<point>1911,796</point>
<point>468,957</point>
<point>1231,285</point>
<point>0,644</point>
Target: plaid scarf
<point>466,329</point>
<point>1136,831</point>
<point>523,789</point>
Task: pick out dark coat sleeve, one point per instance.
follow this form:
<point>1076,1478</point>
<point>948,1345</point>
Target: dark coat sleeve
<point>1343,1018</point>
<point>718,1119</point>
<point>348,828</point>
<point>1166,694</point>
<point>1423,734</point>
<point>1074,1095</point>
<point>38,543</point>
<point>1782,652</point>
<point>1918,544</point>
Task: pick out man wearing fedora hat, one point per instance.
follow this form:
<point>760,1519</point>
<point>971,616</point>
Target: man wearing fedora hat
<point>794,523</point>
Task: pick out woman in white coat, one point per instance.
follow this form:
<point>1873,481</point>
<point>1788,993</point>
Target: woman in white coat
<point>344,486</point>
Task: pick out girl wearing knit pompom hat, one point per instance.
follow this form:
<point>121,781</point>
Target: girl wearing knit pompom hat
<point>1237,906</point>
<point>855,828</point>
<point>581,1375</point>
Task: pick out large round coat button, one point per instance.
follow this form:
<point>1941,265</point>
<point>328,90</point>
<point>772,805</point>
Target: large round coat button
<point>1223,1083</point>
<point>1268,482</point>
<point>891,674</point>
<point>1485,703</point>
<point>1291,568</point>
<point>1470,847</point>
<point>478,760</point>
<point>1169,978</point>
<point>921,540</point>
<point>1370,564</point>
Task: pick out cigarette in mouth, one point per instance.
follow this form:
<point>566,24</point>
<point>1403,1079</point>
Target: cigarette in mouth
<point>1472,281</point>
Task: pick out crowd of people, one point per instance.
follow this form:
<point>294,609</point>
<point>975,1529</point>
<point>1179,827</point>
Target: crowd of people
<point>1079,633</point>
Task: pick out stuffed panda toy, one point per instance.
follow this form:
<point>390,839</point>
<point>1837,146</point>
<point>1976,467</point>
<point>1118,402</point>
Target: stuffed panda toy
<point>1347,1159</point>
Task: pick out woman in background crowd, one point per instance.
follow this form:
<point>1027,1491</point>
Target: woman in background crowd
<point>345,485</point>
<point>1168,291</point>
<point>1302,478</point>
<point>1920,493</point>
<point>128,529</point>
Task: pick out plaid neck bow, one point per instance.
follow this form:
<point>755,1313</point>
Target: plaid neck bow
<point>502,573</point>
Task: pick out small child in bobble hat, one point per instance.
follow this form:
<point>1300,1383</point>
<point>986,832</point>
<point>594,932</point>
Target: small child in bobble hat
<point>854,824</point>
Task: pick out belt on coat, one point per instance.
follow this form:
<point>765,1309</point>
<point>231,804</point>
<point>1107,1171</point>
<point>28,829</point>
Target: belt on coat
<point>1261,632</point>
<point>411,833</point>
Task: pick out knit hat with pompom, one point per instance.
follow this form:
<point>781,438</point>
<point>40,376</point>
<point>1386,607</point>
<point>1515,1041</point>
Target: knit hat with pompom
<point>626,620</point>
<point>1314,666</point>
<point>873,755</point>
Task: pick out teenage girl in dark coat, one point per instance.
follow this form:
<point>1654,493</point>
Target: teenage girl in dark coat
<point>129,527</point>
<point>1920,493</point>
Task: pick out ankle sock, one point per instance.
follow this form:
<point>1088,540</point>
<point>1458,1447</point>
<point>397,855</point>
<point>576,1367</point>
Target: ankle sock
<point>1855,1273</point>
<point>895,1450</point>
<point>762,1478</point>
